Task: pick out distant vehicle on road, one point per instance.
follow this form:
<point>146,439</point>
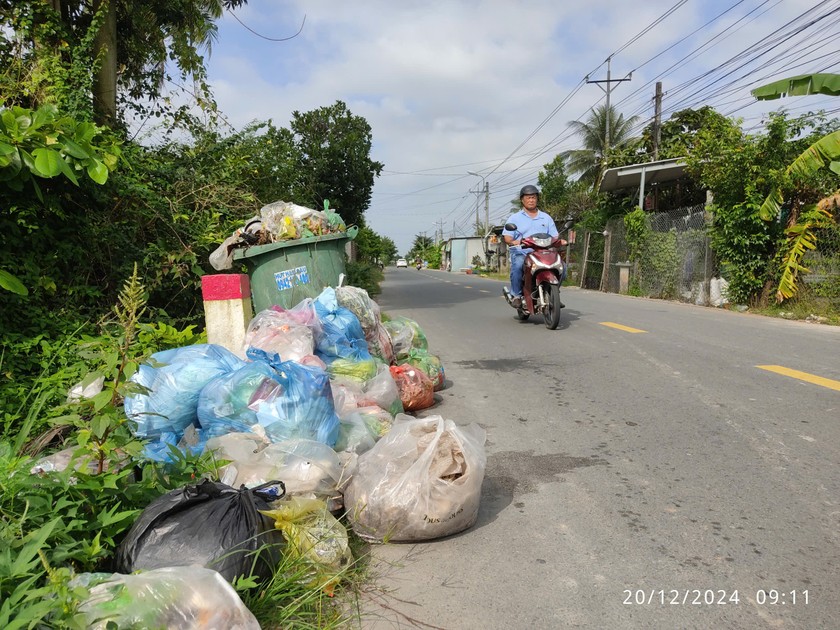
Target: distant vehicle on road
<point>402,262</point>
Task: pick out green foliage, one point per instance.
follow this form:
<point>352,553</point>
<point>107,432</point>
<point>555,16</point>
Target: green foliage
<point>638,233</point>
<point>39,143</point>
<point>801,239</point>
<point>61,522</point>
<point>333,160</point>
<point>366,276</point>
<point>554,184</point>
<point>597,153</point>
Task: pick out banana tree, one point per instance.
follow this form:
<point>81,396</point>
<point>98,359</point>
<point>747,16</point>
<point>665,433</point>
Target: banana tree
<point>824,153</point>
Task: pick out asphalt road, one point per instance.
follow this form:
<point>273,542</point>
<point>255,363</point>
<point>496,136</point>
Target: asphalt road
<point>647,479</point>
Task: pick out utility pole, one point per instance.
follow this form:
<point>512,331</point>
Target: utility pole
<point>487,204</point>
<point>609,81</point>
<point>657,119</point>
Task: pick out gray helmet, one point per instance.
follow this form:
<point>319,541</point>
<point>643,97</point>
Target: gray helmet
<point>528,190</point>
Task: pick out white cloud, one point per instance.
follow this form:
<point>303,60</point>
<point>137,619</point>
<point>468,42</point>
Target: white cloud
<point>458,85</point>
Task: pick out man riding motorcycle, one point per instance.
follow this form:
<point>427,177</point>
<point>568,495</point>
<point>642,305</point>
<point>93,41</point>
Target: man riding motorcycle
<point>529,220</point>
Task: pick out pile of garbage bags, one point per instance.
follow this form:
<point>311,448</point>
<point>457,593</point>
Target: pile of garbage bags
<point>278,221</point>
<point>312,438</point>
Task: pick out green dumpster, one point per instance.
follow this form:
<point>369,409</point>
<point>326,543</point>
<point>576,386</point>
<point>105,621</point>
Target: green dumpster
<point>286,272</point>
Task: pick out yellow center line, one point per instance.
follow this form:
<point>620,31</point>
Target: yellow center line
<point>620,327</point>
<point>802,376</point>
<point>484,290</point>
<point>467,287</point>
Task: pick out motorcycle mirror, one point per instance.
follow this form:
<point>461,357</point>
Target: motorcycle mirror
<point>568,224</point>
<point>510,227</point>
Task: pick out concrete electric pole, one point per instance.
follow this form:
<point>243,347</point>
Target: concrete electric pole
<point>609,81</point>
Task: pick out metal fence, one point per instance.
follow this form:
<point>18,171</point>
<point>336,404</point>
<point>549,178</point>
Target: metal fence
<point>679,264</point>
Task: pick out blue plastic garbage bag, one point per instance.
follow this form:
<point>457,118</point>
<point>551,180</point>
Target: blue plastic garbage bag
<point>228,403</point>
<point>304,409</point>
<point>174,379</point>
<point>160,450</point>
<point>341,335</point>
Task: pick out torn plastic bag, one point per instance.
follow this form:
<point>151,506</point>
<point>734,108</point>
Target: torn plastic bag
<point>174,379</point>
<point>421,481</point>
<point>209,524</point>
<point>187,598</point>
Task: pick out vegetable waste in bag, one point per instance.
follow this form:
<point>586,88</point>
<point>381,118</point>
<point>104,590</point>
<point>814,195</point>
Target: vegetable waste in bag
<point>405,334</point>
<point>174,379</point>
<point>209,524</point>
<point>187,598</point>
<point>429,363</point>
<point>416,389</point>
<point>421,481</point>
<point>314,535</point>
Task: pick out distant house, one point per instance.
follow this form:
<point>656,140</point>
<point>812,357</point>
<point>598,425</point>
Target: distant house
<point>458,252</point>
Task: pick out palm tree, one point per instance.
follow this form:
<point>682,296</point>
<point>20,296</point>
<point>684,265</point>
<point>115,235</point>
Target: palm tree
<point>590,161</point>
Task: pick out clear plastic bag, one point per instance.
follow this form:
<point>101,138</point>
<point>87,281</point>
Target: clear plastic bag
<point>405,335</point>
<point>187,598</point>
<point>362,306</point>
<point>280,333</point>
<point>421,481</point>
<point>316,536</point>
<point>306,467</point>
<point>174,379</point>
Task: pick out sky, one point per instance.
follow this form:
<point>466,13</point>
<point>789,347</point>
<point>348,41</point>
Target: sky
<point>489,86</point>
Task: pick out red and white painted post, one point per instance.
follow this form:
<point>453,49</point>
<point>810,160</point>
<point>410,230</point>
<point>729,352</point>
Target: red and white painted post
<point>227,309</point>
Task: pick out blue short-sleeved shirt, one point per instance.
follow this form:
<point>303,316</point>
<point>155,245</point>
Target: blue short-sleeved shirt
<point>526,226</point>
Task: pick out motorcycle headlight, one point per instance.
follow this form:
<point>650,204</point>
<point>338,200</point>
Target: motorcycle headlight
<point>542,242</point>
<point>538,264</point>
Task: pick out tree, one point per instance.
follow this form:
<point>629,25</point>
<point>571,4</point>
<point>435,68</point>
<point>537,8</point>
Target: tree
<point>553,182</point>
<point>825,152</point>
<point>741,170</point>
<point>110,51</point>
<point>679,133</point>
<point>591,161</point>
<point>333,160</point>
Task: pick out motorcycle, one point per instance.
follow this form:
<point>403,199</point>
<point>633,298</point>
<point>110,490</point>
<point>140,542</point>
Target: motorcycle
<point>419,266</point>
<point>543,272</point>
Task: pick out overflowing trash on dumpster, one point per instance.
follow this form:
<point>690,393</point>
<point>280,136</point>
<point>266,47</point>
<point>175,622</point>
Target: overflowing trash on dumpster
<point>313,436</point>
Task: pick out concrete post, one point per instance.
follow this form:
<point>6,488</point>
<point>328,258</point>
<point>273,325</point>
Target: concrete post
<point>227,309</point>
<point>623,277</point>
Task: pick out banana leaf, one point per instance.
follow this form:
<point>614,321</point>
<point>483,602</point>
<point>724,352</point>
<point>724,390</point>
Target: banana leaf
<point>800,85</point>
<point>824,152</point>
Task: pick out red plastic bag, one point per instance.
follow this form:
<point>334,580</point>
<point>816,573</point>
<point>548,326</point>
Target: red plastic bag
<point>417,391</point>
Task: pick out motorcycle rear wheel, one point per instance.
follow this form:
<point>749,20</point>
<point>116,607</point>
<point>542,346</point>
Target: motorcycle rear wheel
<point>551,313</point>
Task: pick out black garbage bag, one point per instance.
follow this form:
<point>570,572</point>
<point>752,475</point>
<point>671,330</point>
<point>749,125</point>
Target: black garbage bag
<point>209,524</point>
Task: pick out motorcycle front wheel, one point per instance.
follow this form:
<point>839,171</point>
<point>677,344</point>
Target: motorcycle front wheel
<point>551,313</point>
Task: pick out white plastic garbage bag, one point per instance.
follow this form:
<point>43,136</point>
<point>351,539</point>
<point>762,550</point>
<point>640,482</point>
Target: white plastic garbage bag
<point>422,480</point>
